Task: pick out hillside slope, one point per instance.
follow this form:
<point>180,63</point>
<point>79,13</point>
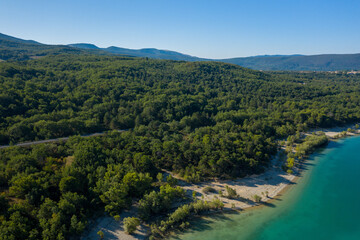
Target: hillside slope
<point>324,62</point>
<point>18,49</point>
<point>15,49</point>
<point>145,52</point>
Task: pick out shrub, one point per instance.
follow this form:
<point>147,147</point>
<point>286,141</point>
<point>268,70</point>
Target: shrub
<point>209,189</point>
<point>200,206</point>
<point>171,180</point>
<point>130,224</point>
<point>257,198</point>
<point>194,194</point>
<point>309,145</point>
<point>221,193</point>
<point>231,193</point>
<point>217,204</point>
<point>101,234</point>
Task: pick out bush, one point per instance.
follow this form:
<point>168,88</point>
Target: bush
<point>209,189</point>
<point>231,193</point>
<point>184,225</point>
<point>101,234</point>
<point>130,224</point>
<point>221,193</point>
<point>217,204</point>
<point>200,206</point>
<point>193,178</point>
<point>171,180</point>
<point>257,198</point>
<point>194,194</point>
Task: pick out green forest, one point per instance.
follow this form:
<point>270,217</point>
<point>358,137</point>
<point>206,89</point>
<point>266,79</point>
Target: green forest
<point>199,120</point>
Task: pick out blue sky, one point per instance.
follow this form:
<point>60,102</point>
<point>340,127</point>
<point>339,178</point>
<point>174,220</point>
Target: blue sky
<point>204,28</point>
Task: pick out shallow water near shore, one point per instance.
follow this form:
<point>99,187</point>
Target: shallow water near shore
<point>323,204</point>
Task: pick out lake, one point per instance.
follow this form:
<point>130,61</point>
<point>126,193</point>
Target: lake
<point>323,204</point>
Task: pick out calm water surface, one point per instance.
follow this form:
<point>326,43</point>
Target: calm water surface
<point>323,204</point>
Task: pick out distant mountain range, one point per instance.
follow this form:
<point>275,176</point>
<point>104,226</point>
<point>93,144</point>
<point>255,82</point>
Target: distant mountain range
<point>324,62</point>
<point>145,52</point>
<point>12,48</point>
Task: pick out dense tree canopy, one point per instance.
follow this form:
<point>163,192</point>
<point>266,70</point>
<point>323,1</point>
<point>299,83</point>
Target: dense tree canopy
<point>199,120</point>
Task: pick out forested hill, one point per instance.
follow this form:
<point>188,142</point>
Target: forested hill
<point>17,49</point>
<point>325,62</point>
<point>145,52</point>
<point>63,95</point>
<point>201,120</point>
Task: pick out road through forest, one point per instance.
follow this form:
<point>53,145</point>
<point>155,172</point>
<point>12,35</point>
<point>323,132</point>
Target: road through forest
<point>26,144</point>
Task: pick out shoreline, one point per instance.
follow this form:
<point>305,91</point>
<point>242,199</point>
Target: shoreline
<point>333,134</point>
<point>274,180</point>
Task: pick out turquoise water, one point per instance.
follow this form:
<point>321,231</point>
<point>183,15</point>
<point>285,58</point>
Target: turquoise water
<point>323,204</point>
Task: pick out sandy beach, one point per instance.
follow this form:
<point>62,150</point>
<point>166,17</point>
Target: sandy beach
<point>114,229</point>
<point>266,185</point>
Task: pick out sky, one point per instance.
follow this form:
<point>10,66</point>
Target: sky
<point>204,28</point>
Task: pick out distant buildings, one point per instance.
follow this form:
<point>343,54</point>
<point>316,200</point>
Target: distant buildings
<point>353,72</point>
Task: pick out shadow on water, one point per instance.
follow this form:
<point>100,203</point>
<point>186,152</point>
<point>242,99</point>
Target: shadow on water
<point>203,224</point>
<point>319,152</point>
<point>268,204</point>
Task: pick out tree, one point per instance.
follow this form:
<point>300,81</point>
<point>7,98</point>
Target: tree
<point>88,155</point>
<point>156,202</point>
<point>137,183</point>
<point>4,205</point>
<point>159,177</point>
<point>115,199</point>
<point>70,184</point>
